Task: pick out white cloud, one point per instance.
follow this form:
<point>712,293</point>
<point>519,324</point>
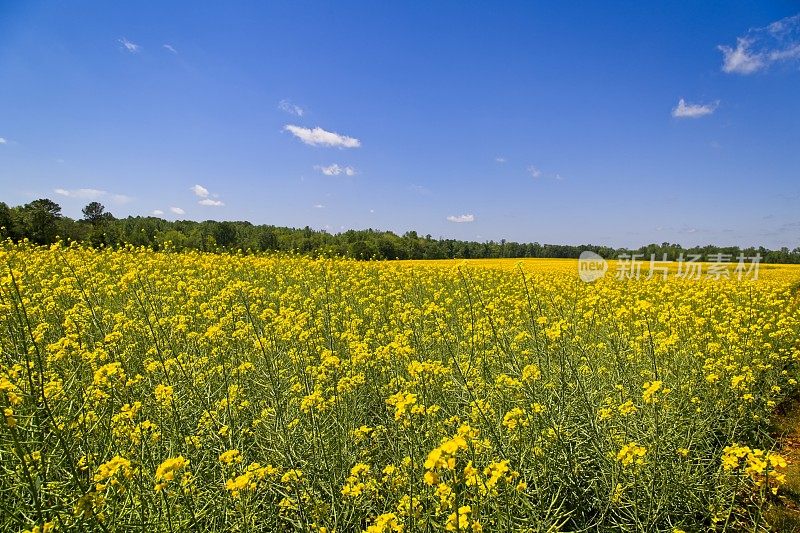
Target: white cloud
<point>199,191</point>
<point>320,137</point>
<point>535,172</point>
<point>206,198</point>
<point>335,170</point>
<point>684,110</point>
<point>461,218</point>
<point>120,198</point>
<point>318,206</point>
<point>330,170</point>
<point>170,48</point>
<point>211,202</point>
<point>789,53</point>
<point>87,194</point>
<point>3,140</point>
<point>177,210</point>
<point>94,195</point>
<point>500,159</point>
<point>292,109</point>
<point>158,212</point>
<point>761,47</point>
<point>129,46</point>
<point>740,59</point>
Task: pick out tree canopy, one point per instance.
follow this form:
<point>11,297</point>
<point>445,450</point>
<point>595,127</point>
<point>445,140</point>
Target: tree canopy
<point>41,222</point>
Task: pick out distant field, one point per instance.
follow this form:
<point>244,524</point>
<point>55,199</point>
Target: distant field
<point>567,266</point>
<point>162,391</point>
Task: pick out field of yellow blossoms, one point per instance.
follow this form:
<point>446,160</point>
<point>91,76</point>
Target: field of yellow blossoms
<point>160,391</point>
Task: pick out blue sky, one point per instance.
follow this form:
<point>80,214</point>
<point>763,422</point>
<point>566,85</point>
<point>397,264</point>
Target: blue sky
<point>614,123</point>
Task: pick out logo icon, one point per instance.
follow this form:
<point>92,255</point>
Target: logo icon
<point>591,266</point>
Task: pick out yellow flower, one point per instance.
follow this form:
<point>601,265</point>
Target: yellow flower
<point>294,475</point>
<point>240,483</point>
<point>163,394</point>
<point>9,415</point>
<point>631,454</point>
<point>461,521</point>
<point>402,402</point>
<point>531,373</point>
<point>514,418</point>
<point>166,471</point>
<point>627,408</point>
<point>650,390</point>
<point>230,457</point>
<point>108,472</point>
<point>46,527</point>
<point>385,523</point>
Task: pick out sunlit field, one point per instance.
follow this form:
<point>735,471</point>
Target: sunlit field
<point>158,391</point>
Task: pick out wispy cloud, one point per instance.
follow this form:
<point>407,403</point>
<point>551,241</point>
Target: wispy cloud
<point>158,212</point>
<point>3,140</point>
<point>741,60</point>
<point>211,202</point>
<point>80,193</point>
<point>205,196</point>
<point>318,206</point>
<point>684,110</point>
<point>761,47</point>
<point>460,219</point>
<point>94,195</point>
<point>536,173</point>
<point>335,170</point>
<point>199,191</point>
<point>177,210</point>
<point>420,189</point>
<point>128,45</point>
<point>500,159</point>
<point>292,109</point>
<point>120,198</point>
<point>320,137</point>
<point>170,48</point>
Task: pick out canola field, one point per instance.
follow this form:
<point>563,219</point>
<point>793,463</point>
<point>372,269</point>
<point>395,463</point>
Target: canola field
<point>164,391</point>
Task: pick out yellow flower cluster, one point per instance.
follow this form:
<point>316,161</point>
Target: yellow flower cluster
<point>358,482</point>
<point>324,394</point>
<point>762,468</point>
<point>443,457</point>
<point>167,469</point>
<point>109,472</point>
<point>249,480</point>
<point>632,454</point>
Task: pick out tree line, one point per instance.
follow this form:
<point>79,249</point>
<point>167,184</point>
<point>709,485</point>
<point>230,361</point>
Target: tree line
<point>42,222</point>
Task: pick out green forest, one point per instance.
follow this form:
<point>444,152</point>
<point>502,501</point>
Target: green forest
<point>42,222</point>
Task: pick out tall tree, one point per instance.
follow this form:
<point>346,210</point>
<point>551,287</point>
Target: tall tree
<point>95,213</point>
<point>40,220</point>
<point>225,234</point>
